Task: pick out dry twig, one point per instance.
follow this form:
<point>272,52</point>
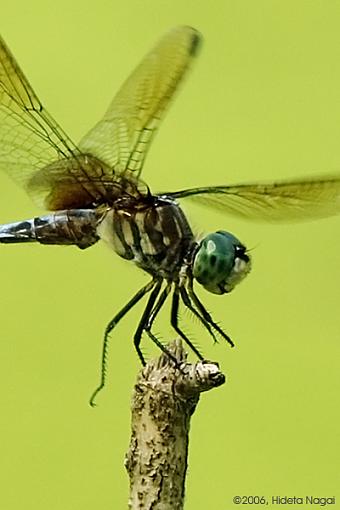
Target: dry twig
<point>163,402</point>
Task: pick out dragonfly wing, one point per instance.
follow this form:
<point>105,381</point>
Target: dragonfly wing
<point>35,151</point>
<point>123,136</point>
<point>280,201</point>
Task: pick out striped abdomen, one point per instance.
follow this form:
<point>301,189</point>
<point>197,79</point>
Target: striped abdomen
<point>72,226</point>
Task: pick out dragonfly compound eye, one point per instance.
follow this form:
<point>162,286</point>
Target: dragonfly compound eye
<point>221,262</point>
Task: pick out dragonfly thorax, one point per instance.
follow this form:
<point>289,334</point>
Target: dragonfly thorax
<point>156,235</point>
<point>220,262</point>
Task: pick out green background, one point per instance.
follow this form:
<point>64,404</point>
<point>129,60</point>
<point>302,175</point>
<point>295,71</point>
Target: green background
<point>263,102</point>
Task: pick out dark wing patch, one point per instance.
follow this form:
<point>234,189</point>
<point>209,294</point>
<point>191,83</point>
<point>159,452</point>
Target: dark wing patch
<point>72,183</point>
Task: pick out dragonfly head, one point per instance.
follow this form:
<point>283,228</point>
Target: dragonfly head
<point>220,262</point>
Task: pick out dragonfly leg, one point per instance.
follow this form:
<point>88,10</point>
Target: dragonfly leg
<point>148,317</point>
<point>137,297</point>
<point>174,323</point>
<point>187,302</point>
<point>207,315</point>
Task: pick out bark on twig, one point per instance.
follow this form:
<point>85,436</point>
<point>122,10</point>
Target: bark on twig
<point>163,402</point>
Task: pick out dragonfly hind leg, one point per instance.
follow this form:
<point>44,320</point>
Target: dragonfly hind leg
<point>112,324</point>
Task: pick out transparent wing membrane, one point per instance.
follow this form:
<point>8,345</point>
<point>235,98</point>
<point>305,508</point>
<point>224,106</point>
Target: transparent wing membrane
<point>30,138</point>
<point>35,151</point>
<point>280,201</point>
<point>123,136</point>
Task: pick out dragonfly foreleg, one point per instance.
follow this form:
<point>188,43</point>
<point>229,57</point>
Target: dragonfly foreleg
<point>187,302</point>
<point>112,324</point>
<point>207,315</point>
<point>174,323</point>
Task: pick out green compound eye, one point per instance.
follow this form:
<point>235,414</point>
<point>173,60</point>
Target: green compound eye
<point>221,262</point>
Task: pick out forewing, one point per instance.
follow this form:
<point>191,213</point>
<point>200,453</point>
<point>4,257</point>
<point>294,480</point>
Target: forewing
<point>281,201</point>
<point>123,136</point>
<point>35,151</point>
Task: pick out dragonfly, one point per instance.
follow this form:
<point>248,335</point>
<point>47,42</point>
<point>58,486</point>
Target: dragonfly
<point>94,191</point>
